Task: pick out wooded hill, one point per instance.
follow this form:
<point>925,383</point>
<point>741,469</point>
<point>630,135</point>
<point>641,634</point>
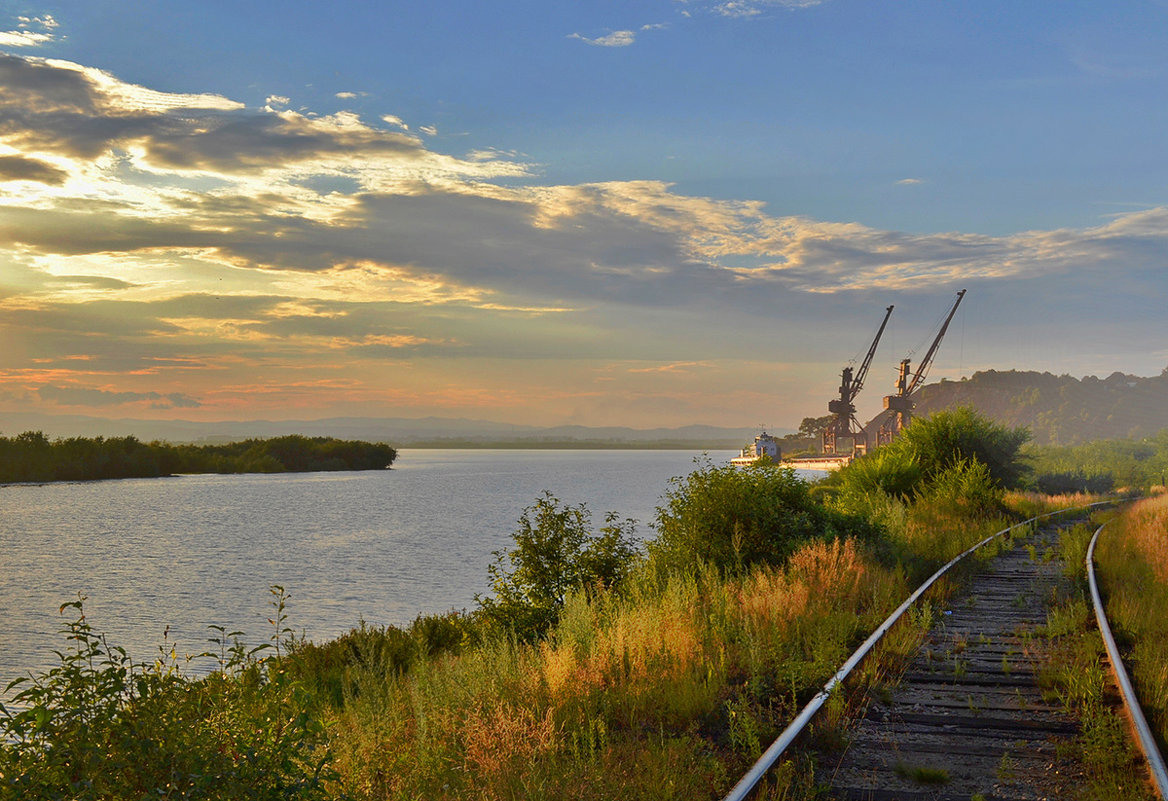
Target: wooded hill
<point>1058,409</point>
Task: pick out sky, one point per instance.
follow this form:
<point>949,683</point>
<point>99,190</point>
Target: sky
<point>649,214</point>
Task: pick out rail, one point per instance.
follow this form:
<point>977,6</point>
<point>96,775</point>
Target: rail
<point>767,761</point>
<point>1143,731</point>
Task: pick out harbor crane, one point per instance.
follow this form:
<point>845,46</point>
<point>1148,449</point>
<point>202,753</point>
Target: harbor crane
<point>844,435</point>
<point>901,404</point>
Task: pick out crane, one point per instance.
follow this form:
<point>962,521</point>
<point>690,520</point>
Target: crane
<point>839,436</point>
<point>901,404</point>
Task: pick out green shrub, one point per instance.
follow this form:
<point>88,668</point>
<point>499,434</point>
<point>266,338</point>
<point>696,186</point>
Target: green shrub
<point>1074,481</point>
<point>890,470</point>
<point>555,552</point>
<point>942,440</point>
<point>733,517</point>
<point>99,726</point>
<point>968,487</point>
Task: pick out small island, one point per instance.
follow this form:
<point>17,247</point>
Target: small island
<point>33,457</point>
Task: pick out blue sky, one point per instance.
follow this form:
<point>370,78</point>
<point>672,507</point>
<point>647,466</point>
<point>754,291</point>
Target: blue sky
<point>651,213</point>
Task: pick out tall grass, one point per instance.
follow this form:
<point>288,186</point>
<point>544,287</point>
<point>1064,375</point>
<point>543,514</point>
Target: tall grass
<point>668,689</point>
<point>1132,565</point>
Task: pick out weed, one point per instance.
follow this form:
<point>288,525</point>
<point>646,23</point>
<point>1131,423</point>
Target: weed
<point>921,774</point>
<point>1007,767</point>
<point>99,725</point>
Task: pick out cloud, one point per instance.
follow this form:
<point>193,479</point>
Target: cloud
<point>84,396</point>
<point>909,181</point>
<point>676,367</point>
<point>277,100</point>
<point>158,235</point>
<point>23,38</point>
<point>20,168</point>
<point>72,112</point>
<point>30,32</point>
<point>749,8</point>
<point>614,39</point>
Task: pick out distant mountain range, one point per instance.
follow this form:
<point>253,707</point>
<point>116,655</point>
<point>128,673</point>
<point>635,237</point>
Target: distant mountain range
<point>1058,409</point>
<point>399,432</point>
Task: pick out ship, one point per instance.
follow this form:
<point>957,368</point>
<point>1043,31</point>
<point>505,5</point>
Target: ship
<point>764,447</point>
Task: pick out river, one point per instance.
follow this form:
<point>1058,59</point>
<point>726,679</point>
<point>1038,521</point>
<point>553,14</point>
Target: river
<point>183,553</point>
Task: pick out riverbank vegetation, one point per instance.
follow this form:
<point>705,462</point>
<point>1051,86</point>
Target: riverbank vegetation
<point>597,668</point>
<point>32,456</point>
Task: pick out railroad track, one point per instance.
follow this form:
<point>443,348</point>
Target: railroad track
<point>968,719</point>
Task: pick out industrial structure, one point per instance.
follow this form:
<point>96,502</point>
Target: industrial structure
<point>901,404</point>
<point>844,436</point>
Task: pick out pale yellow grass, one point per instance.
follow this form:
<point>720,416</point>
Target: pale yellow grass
<point>1147,532</point>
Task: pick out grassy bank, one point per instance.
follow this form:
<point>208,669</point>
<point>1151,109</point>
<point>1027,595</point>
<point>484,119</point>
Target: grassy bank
<point>595,669</point>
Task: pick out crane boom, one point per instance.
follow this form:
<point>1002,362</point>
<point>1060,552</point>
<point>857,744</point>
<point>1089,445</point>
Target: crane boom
<point>839,436</point>
<point>858,381</point>
<point>901,404</point>
<point>923,367</point>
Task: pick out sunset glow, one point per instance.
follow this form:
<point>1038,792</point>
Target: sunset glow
<point>652,215</point>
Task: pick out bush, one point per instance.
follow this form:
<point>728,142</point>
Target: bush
<point>100,726</point>
<point>1074,481</point>
<point>942,440</point>
<point>966,487</point>
<point>888,470</point>
<point>956,456</point>
<point>733,517</point>
<point>555,552</point>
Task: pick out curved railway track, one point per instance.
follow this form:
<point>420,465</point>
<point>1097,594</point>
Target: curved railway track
<point>968,719</point>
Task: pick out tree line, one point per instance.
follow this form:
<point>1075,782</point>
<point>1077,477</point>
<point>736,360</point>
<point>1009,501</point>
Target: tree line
<point>32,456</point>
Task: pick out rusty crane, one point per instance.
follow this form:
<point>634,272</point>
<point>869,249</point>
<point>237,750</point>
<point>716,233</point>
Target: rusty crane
<point>843,435</point>
<point>901,404</point>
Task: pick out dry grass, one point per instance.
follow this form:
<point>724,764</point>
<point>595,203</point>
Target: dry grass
<point>1132,560</point>
<point>682,684</point>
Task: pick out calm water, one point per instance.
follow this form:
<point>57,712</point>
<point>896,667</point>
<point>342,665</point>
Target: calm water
<point>381,546</point>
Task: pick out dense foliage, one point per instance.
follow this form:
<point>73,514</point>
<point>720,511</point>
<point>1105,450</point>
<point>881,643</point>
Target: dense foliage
<point>99,726</point>
<point>734,517</point>
<point>1099,465</point>
<point>959,458</point>
<point>1058,410</point>
<point>32,456</point>
<point>945,439</point>
<point>555,553</point>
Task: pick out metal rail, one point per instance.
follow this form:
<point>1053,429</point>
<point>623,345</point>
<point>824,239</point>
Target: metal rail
<point>767,761</point>
<point>1130,703</point>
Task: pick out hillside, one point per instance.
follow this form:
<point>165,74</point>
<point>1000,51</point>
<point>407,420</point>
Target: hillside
<point>1058,410</point>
